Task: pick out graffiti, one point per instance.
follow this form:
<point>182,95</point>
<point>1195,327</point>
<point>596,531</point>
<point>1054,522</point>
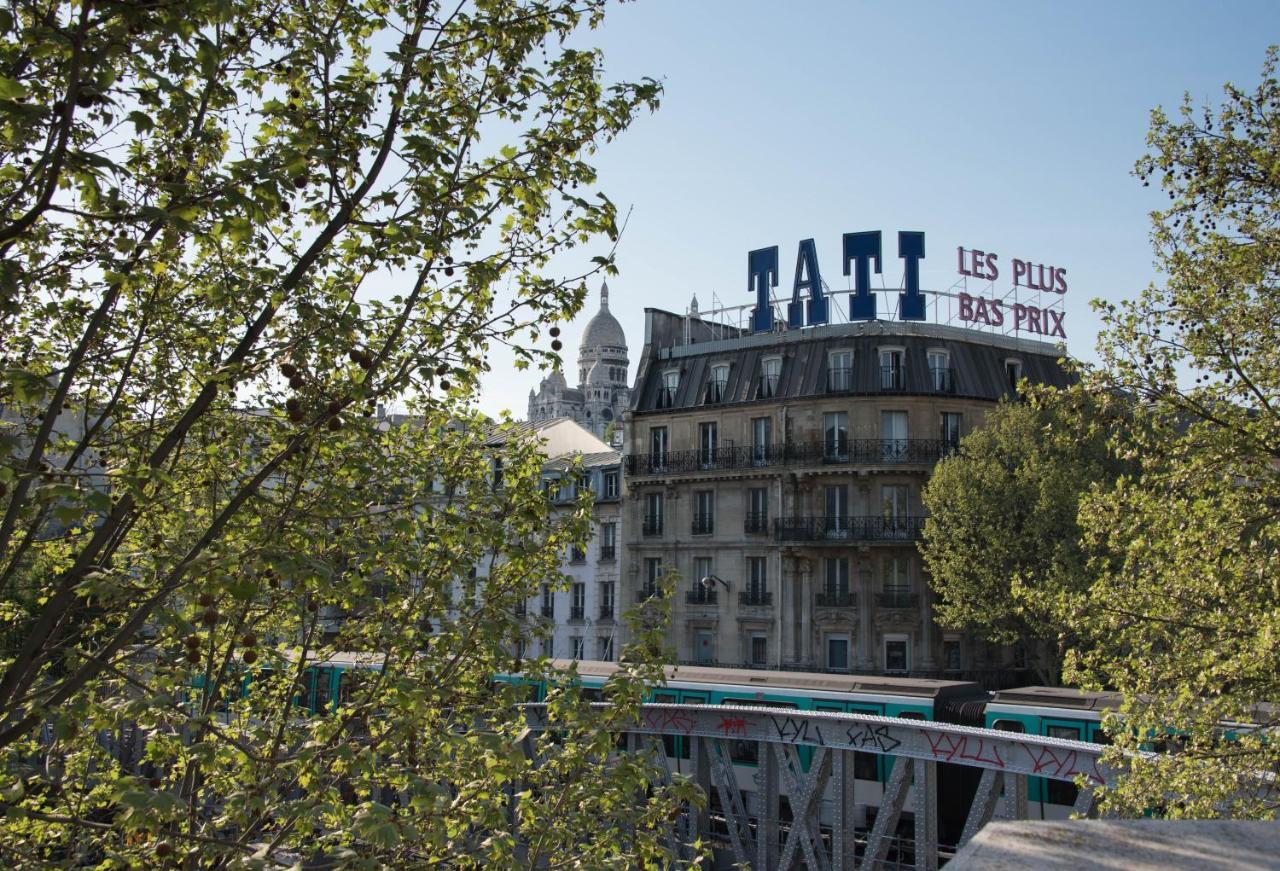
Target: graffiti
<point>736,726</point>
<point>795,731</point>
<point>952,747</point>
<point>669,721</point>
<point>864,736</point>
<point>1059,763</point>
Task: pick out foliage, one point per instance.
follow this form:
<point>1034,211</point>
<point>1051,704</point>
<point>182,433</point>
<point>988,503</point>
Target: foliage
<point>1001,539</point>
<point>228,230</point>
<point>1184,614</point>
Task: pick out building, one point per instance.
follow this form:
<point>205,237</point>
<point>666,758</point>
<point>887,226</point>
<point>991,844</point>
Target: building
<point>785,468</point>
<point>602,394</point>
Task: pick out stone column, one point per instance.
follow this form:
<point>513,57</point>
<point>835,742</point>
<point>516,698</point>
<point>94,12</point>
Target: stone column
<point>866,657</point>
<point>803,602</point>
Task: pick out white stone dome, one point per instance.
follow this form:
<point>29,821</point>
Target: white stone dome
<point>603,330</point>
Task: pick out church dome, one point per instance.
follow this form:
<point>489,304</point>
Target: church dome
<point>603,329</point>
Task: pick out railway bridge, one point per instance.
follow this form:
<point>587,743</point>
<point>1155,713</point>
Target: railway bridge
<point>808,759</point>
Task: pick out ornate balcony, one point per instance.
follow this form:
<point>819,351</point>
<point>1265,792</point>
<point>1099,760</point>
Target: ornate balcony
<point>835,599</point>
<point>865,452</point>
<point>577,613</point>
<point>756,523</point>
<point>652,524</point>
<point>755,599</point>
<point>608,552</point>
<point>700,596</point>
<point>898,599</point>
<point>839,530</point>
<point>606,611</point>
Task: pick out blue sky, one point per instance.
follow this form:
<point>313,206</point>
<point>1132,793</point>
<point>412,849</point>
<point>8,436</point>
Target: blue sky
<point>1010,127</point>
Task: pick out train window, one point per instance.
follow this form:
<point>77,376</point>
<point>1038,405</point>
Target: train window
<point>744,752</point>
<point>1008,726</point>
<point>592,694</point>
<point>912,715</point>
<point>668,741</point>
<point>324,678</point>
<point>1100,737</point>
<point>1060,791</point>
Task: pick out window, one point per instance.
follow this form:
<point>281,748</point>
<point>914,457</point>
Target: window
<point>708,443</point>
<point>940,373</point>
<point>896,653</point>
<point>700,594</point>
<point>548,601</point>
<point>610,485</point>
<point>704,512</point>
<point>896,582</point>
<point>1008,726</point>
<point>652,576</point>
<point>770,371</point>
<point>497,473</point>
<point>892,375</point>
<point>1060,791</point>
<point>658,447</point>
<point>606,600</point>
<point>894,510</point>
<point>839,371</point>
<point>578,601</point>
<point>837,583</point>
<point>604,648</point>
<point>608,541</point>
<point>757,592</point>
<point>950,430</point>
<point>835,430</point>
<point>575,643</point>
<point>952,657</point>
<point>761,440</point>
<point>667,392</point>
<point>836,522</point>
<point>838,653</point>
<point>546,647</point>
<point>893,436</point>
<point>1013,373</point>
<point>757,520</point>
<point>653,513</point>
<point>576,554</point>
<point>718,383</point>
<point>759,649</point>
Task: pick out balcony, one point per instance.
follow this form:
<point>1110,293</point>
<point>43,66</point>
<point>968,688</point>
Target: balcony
<point>942,379</point>
<point>703,524</point>
<point>700,596</point>
<point>837,530</point>
<point>522,609</point>
<point>577,612</point>
<point>606,611</point>
<point>897,599</point>
<point>548,611</point>
<point>835,599</point>
<point>652,524</point>
<point>608,552</point>
<point>755,599</point>
<point>839,380</point>
<point>756,523</point>
<point>893,379</point>
<point>867,452</point>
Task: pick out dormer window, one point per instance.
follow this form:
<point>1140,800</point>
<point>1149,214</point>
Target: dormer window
<point>770,373</point>
<point>941,375</point>
<point>718,383</point>
<point>892,368</point>
<point>667,391</point>
<point>839,371</point>
<point>1013,373</point>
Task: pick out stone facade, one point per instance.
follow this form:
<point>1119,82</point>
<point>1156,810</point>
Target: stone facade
<point>787,468</point>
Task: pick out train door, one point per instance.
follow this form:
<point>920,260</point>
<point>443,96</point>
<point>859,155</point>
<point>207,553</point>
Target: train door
<point>1060,792</point>
<point>678,746</point>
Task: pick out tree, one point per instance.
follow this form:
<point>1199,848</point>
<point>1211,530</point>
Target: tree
<point>1184,612</point>
<point>1001,538</point>
<point>228,229</point>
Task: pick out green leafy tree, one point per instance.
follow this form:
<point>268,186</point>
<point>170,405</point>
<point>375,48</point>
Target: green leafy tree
<point>1184,613</point>
<point>228,229</point>
<point>1002,539</point>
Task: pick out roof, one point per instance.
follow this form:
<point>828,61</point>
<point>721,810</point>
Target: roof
<point>603,329</point>
<point>588,461</point>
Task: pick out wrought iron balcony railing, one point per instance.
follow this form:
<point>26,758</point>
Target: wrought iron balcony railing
<point>893,378</point>
<point>606,612</point>
<point>755,599</point>
<point>835,599</point>
<point>522,609</point>
<point>703,524</point>
<point>839,380</point>
<point>866,452</point>
<point>652,524</point>
<point>700,596</point>
<point>608,552</point>
<point>843,529</point>
<point>897,599</point>
<point>549,611</point>
<point>577,613</point>
<point>756,523</point>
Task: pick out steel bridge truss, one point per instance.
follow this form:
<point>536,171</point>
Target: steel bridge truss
<point>757,840</point>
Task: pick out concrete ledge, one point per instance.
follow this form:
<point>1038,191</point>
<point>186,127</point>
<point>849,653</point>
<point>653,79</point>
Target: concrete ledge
<point>1130,845</point>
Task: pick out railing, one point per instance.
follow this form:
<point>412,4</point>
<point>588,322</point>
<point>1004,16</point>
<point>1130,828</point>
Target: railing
<point>549,611</point>
<point>835,599</point>
<point>839,380</point>
<point>703,524</point>
<point>652,524</point>
<point>577,612</point>
<point>756,523</point>
<point>700,596</point>
<point>608,552</point>
<point>608,497</point>
<point>606,612</point>
<point>897,599</point>
<point>577,556</point>
<point>893,378</point>
<point>943,379</point>
<point>843,529</point>
<point>522,609</point>
<point>755,599</point>
<point>868,452</point>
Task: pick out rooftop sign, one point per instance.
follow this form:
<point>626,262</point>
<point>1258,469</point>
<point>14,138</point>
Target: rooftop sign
<point>1023,308</point>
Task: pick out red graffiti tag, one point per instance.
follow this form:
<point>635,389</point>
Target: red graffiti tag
<point>950,747</point>
<point>1056,763</point>
<point>669,721</point>
<point>732,726</point>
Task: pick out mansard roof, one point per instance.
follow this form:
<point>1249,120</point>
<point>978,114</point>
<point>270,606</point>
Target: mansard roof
<point>977,361</point>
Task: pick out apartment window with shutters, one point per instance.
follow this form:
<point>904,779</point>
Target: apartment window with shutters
<point>609,485</point>
<point>770,373</point>
<point>837,652</point>
<point>718,383</point>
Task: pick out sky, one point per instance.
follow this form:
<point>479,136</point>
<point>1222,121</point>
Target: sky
<point>1007,127</point>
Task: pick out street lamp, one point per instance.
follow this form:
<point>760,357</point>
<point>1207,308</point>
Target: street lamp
<point>709,583</point>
